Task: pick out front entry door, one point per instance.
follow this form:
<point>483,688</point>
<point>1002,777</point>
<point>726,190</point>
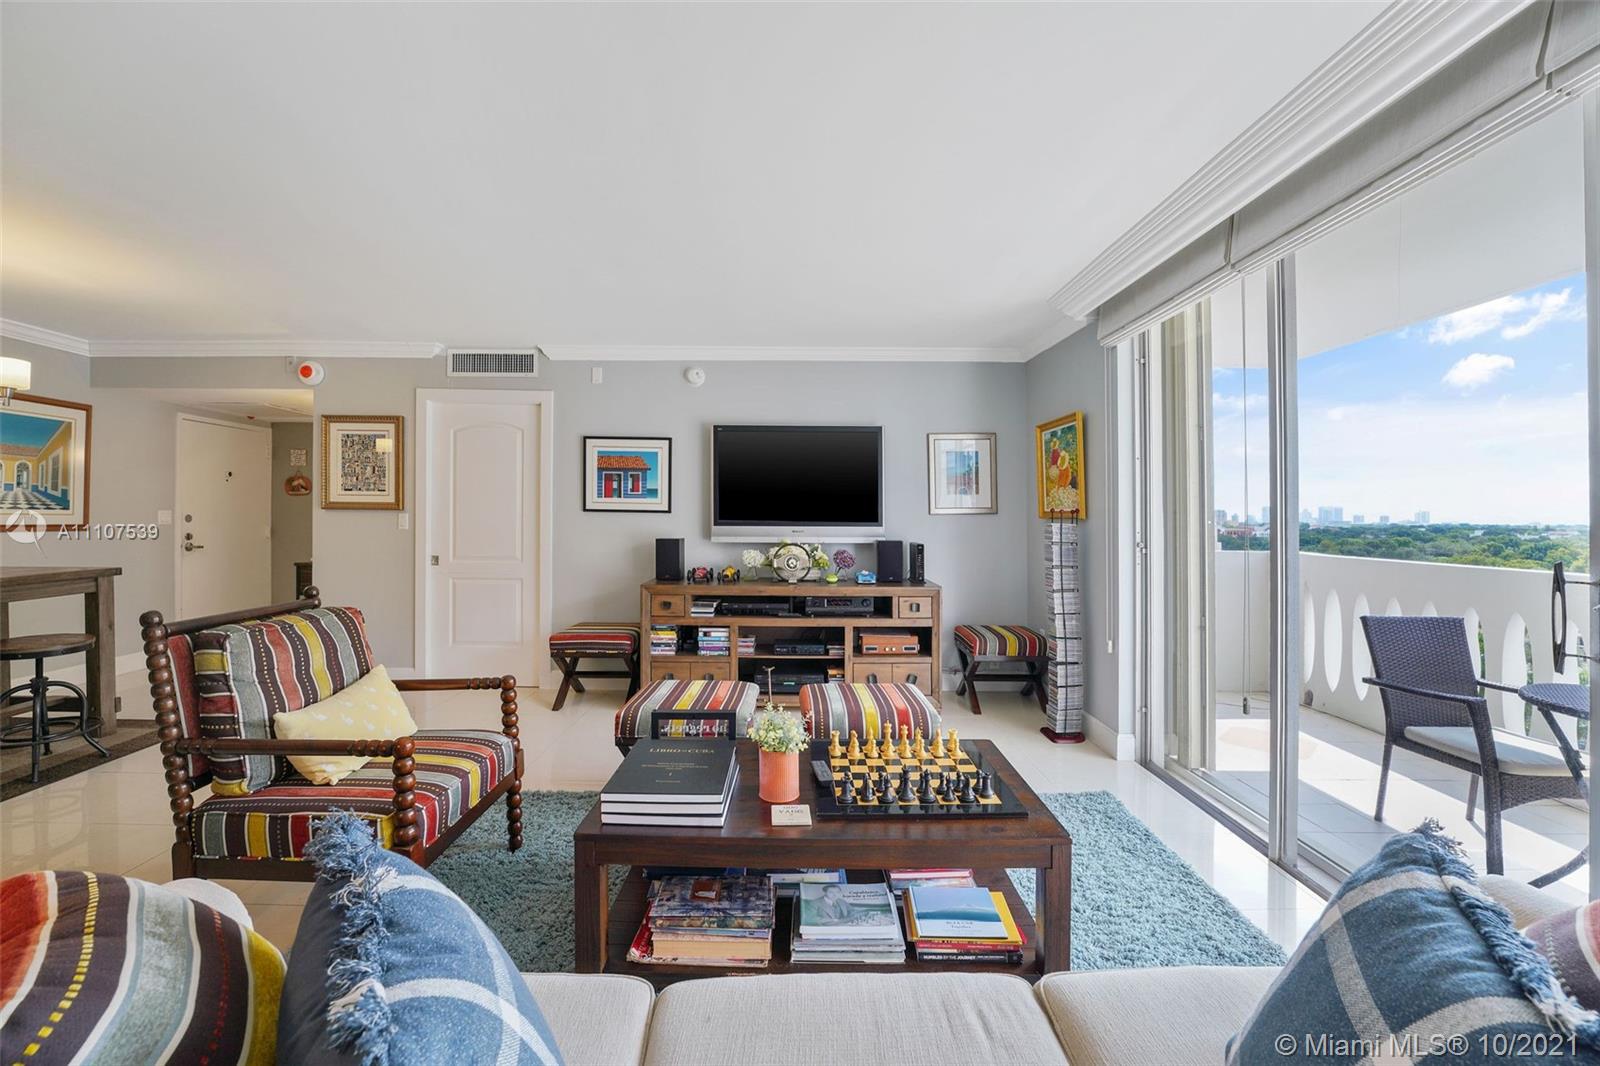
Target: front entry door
<point>480,460</point>
<point>224,516</point>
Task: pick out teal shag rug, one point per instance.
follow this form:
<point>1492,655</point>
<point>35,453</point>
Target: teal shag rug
<point>1134,903</point>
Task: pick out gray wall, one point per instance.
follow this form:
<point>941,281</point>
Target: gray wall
<point>291,515</point>
<point>1072,376</point>
<point>133,449</point>
<point>364,558</point>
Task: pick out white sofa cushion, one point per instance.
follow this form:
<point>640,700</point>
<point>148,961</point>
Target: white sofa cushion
<point>863,1017</point>
<point>1178,1014</point>
<point>599,1019</point>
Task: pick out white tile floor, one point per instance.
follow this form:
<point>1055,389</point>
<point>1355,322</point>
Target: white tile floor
<point>1339,765</point>
<point>114,818</point>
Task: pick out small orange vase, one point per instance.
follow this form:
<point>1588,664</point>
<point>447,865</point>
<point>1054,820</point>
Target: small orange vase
<point>780,776</point>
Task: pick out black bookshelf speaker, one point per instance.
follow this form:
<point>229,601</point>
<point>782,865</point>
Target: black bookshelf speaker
<point>891,561</point>
<point>669,558</point>
<point>919,572</point>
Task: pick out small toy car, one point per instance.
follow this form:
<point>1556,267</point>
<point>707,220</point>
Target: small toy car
<point>866,577</point>
<point>729,575</point>
<point>700,575</point>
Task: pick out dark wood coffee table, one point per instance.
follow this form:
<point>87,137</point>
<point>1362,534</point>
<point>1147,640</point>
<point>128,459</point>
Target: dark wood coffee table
<point>988,845</point>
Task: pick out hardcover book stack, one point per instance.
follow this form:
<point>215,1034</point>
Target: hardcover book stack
<point>703,608</point>
<point>672,782</point>
<point>1064,675</point>
<point>707,921</point>
<point>974,925</point>
<point>847,923</point>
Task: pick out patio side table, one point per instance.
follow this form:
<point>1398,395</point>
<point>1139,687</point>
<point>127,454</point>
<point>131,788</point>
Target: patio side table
<point>1553,698</point>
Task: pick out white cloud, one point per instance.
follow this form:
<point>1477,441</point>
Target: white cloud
<point>1476,370</point>
<point>1514,316</point>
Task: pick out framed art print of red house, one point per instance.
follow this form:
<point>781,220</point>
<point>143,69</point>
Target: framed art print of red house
<point>627,474</point>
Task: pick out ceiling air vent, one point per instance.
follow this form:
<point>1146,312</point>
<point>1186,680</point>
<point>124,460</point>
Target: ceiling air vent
<point>494,362</point>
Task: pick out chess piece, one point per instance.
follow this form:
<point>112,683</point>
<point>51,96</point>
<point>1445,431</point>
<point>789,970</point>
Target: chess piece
<point>872,745</point>
<point>922,747</point>
<point>833,744</point>
<point>953,747</point>
<point>888,739</point>
<point>938,744</point>
<point>907,793</point>
<point>986,785</point>
<point>948,790</point>
<point>905,745</point>
<point>927,796</point>
<point>885,791</point>
<point>855,747</point>
<point>967,794</point>
<point>847,795</point>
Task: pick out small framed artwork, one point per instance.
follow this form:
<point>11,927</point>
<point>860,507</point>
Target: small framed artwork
<point>627,474</point>
<point>961,473</point>
<point>44,463</point>
<point>1058,451</point>
<point>363,462</point>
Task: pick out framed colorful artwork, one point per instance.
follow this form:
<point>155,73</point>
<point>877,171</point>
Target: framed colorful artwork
<point>627,474</point>
<point>1058,451</point>
<point>44,463</point>
<point>363,462</point>
<point>961,473</point>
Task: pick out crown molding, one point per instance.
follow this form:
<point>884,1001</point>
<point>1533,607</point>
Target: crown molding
<point>667,353</point>
<point>49,338</point>
<point>1406,42</point>
<point>273,349</point>
<point>1050,336</point>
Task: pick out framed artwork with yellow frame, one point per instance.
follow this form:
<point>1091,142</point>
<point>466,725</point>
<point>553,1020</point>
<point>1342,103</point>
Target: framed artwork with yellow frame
<point>1058,455</point>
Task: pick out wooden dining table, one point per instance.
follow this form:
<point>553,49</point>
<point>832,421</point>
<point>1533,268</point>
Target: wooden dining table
<point>95,585</point>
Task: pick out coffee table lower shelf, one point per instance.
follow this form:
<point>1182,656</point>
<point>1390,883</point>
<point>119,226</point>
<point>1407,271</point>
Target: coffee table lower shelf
<point>628,911</point>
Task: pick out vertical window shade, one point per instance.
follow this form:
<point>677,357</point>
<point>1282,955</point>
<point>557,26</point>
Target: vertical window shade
<point>1529,65</point>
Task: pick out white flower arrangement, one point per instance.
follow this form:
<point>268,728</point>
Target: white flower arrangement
<point>753,558</point>
<point>780,732</point>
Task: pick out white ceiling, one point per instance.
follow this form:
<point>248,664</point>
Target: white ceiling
<point>829,175</point>
<point>254,405</point>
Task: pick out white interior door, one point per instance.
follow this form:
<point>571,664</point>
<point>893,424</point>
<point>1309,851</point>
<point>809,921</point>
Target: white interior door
<point>480,536</point>
<point>224,523</point>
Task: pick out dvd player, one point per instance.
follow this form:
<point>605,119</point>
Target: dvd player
<point>799,647</point>
<point>776,608</point>
<point>839,606</point>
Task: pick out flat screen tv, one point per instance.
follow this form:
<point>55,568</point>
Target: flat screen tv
<point>799,482</point>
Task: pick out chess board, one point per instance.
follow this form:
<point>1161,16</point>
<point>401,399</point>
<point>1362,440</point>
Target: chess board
<point>957,765</point>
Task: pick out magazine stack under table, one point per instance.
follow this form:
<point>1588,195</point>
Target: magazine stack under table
<point>846,923</point>
<point>958,924</point>
<point>672,782</point>
<point>707,921</point>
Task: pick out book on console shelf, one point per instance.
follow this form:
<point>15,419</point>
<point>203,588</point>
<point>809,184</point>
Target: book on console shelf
<point>672,782</point>
<point>945,877</point>
<point>703,608</point>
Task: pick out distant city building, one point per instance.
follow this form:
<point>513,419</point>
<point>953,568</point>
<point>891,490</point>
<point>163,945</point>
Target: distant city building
<point>1266,515</point>
<point>1359,519</point>
<point>1330,516</point>
<point>1383,520</point>
<point>1305,515</point>
<point>1424,517</point>
<point>1222,517</point>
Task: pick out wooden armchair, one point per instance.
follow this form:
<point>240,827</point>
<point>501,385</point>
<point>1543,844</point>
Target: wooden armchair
<point>415,791</point>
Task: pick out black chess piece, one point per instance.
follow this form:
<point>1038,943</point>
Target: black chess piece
<point>907,793</point>
<point>986,785</point>
<point>885,790</point>
<point>926,796</point>
<point>967,794</point>
<point>847,795</point>
<point>949,793</point>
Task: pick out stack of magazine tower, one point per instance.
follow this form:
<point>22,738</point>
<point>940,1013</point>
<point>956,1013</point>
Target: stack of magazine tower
<point>1064,695</point>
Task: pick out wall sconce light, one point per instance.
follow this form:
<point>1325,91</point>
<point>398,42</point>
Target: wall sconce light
<point>15,376</point>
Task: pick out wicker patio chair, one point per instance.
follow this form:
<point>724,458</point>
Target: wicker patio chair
<point>1433,706</point>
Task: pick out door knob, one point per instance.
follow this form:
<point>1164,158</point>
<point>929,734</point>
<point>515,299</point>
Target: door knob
<point>190,546</point>
<point>433,560</point>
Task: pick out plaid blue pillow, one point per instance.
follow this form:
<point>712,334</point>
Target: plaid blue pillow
<point>1411,960</point>
<point>391,968</point>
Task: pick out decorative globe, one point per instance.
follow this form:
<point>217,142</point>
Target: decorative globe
<point>791,562</point>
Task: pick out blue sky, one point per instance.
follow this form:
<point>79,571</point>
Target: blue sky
<point>1475,416</point>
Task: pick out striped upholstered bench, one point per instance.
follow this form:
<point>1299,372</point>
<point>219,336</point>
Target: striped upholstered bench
<point>685,709</point>
<point>866,708</point>
<point>988,646</point>
<point>594,640</point>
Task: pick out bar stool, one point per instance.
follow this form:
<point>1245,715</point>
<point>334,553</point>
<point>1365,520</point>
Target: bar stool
<point>40,647</point>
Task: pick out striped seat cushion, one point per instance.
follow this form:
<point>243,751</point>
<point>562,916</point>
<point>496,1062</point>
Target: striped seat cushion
<point>633,720</point>
<point>454,771</point>
<point>596,638</point>
<point>247,673</point>
<point>100,968</point>
<point>1001,642</point>
<point>865,708</point>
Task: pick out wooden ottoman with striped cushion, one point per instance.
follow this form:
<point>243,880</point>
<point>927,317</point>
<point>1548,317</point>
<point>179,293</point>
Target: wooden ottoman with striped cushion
<point>988,645</point>
<point>866,709</point>
<point>685,709</point>
<point>595,640</point>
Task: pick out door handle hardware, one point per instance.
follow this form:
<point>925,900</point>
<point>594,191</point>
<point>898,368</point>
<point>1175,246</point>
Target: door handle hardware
<point>190,546</point>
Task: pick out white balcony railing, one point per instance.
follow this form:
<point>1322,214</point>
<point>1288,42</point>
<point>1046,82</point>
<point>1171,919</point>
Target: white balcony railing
<point>1511,609</point>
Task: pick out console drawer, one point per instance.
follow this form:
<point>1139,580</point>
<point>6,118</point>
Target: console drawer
<point>918,673</point>
<point>915,607</point>
<point>694,668</point>
<point>863,673</point>
<point>671,605</point>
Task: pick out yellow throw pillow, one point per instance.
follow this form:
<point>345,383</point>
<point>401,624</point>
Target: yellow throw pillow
<point>370,709</point>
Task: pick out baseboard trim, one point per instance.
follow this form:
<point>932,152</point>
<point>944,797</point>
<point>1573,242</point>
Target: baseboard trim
<point>1120,746</point>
